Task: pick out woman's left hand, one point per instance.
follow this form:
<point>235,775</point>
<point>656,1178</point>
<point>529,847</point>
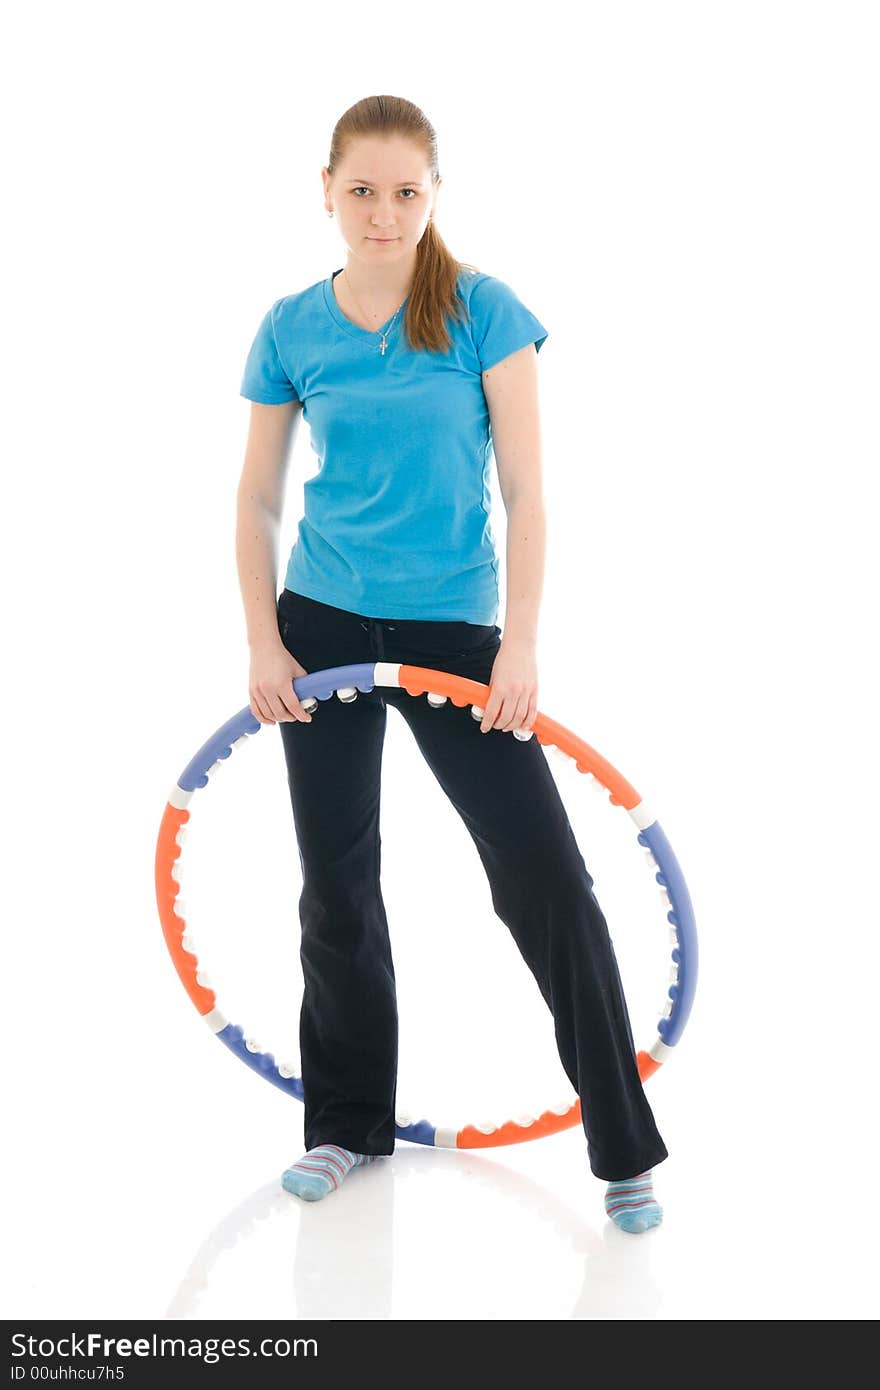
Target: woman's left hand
<point>513,688</point>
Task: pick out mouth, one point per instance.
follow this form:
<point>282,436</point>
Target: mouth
<point>383,239</point>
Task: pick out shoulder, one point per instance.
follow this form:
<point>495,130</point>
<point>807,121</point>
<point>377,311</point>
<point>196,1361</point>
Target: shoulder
<point>499,320</point>
<point>489,299</point>
<point>290,305</point>
<point>478,289</point>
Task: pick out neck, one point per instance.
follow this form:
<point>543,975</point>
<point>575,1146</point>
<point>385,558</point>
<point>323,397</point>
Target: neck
<point>380,283</point>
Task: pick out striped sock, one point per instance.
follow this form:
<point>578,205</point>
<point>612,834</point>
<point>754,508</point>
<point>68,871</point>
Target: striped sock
<point>630,1203</point>
<point>321,1170</point>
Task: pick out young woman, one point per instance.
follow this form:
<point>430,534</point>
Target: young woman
<point>403,362</point>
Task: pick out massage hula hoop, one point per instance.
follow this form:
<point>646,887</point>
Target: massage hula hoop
<point>440,686</point>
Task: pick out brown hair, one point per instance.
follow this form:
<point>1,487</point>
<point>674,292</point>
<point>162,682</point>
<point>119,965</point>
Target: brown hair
<point>434,293</point>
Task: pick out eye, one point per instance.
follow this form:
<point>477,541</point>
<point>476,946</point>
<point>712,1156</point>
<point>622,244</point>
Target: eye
<point>413,191</point>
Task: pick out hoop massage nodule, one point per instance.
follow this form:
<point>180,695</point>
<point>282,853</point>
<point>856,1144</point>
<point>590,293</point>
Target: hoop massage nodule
<point>440,686</point>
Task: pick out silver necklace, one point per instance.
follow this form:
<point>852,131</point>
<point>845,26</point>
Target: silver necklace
<point>382,331</point>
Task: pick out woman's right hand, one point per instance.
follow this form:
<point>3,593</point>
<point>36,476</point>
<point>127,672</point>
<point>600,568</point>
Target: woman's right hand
<point>273,699</point>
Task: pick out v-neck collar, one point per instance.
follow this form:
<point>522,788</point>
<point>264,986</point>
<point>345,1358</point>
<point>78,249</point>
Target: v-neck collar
<point>354,329</point>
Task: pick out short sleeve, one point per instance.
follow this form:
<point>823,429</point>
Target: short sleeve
<point>265,379</point>
<point>502,323</point>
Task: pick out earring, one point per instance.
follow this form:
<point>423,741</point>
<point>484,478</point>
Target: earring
<point>329,214</point>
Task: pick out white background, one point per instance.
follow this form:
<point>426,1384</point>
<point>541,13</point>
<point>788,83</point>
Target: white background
<point>686,195</point>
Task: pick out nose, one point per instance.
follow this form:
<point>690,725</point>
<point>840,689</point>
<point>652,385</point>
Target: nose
<point>381,220</point>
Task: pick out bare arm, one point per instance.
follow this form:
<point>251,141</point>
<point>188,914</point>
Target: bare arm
<point>259,510</point>
<point>511,389</point>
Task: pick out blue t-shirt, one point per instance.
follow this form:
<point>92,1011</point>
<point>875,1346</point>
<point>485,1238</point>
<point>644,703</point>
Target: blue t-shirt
<point>396,520</point>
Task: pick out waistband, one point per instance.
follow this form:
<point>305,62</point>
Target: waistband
<point>369,623</point>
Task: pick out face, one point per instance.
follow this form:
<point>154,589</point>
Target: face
<point>382,197</point>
